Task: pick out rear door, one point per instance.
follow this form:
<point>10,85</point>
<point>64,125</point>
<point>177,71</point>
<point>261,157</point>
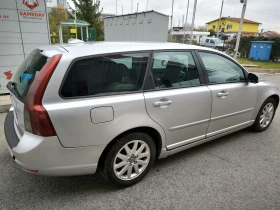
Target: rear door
<point>178,99</point>
<point>22,81</point>
<point>233,98</point>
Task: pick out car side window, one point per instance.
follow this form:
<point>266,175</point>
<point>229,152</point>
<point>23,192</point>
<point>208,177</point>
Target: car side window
<point>212,41</point>
<point>112,73</point>
<point>207,40</point>
<point>220,69</point>
<point>178,69</point>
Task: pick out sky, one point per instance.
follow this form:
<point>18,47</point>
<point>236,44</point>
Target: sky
<point>266,12</point>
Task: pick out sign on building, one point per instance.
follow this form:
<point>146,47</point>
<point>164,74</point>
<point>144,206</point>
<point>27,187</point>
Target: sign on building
<point>23,27</point>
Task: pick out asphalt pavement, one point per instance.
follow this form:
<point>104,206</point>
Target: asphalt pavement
<point>238,171</point>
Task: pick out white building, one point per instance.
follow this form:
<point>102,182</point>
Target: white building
<point>23,27</point>
<point>51,3</point>
<point>62,2</point>
<point>142,26</point>
<point>177,36</point>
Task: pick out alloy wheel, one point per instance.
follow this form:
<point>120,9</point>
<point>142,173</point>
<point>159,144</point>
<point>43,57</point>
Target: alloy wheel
<point>267,115</point>
<point>131,160</point>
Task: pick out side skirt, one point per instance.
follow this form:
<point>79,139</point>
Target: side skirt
<point>165,153</point>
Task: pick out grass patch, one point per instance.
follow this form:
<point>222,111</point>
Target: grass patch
<point>261,64</point>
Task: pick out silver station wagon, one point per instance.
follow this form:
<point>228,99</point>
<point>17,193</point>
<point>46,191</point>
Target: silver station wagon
<point>118,106</point>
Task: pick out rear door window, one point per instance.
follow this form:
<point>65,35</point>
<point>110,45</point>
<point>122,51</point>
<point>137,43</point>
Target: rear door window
<point>27,71</point>
<point>178,70</point>
<point>106,74</point>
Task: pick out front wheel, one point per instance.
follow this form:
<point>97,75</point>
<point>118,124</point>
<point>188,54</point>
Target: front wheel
<point>129,159</point>
<point>265,116</point>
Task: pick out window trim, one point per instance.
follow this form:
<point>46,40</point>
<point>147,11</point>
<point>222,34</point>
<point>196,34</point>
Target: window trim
<point>245,73</point>
<point>107,93</point>
<point>149,88</point>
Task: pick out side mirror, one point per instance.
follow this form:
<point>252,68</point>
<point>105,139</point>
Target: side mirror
<point>253,78</point>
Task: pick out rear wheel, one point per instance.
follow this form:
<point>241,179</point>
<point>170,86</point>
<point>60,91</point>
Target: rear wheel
<point>129,159</point>
<point>265,115</point>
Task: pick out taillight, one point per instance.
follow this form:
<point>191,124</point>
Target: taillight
<point>36,118</point>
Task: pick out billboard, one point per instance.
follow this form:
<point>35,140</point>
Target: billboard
<point>23,27</point>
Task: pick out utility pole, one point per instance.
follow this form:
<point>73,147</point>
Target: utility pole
<point>122,10</point>
<point>179,23</point>
<point>183,21</point>
<point>240,27</point>
<point>147,5</point>
<point>137,6</point>
<point>194,10</point>
<point>131,6</point>
<point>172,14</point>
<point>186,22</point>
<point>220,19</point>
<point>116,7</point>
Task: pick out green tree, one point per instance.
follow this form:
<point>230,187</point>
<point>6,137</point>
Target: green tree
<point>212,32</point>
<point>199,28</point>
<point>56,15</point>
<point>89,11</point>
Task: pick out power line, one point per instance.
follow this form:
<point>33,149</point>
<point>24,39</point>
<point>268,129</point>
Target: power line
<point>254,10</point>
<point>209,6</point>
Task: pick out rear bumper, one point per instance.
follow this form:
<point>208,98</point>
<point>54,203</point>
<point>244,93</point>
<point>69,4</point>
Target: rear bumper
<point>47,156</point>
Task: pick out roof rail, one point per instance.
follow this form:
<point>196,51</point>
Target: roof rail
<point>75,41</point>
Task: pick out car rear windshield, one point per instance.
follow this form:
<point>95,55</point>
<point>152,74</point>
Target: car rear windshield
<point>28,71</point>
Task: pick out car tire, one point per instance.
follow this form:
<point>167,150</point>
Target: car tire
<point>264,117</point>
<point>129,159</point>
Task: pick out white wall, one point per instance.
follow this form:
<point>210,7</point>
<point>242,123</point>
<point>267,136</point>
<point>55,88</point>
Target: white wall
<point>21,30</point>
<point>149,26</point>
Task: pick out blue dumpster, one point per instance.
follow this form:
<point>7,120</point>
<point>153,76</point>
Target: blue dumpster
<point>260,50</point>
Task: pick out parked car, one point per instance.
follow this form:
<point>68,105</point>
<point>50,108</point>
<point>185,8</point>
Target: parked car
<point>119,106</point>
<point>212,43</point>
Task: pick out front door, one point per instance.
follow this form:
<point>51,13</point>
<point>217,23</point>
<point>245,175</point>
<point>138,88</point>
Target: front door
<point>233,98</point>
<point>179,101</point>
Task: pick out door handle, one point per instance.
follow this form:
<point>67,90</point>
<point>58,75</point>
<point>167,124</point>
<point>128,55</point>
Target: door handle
<point>223,94</point>
<point>162,103</point>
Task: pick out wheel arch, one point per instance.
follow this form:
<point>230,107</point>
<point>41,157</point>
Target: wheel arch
<point>145,129</point>
<point>276,98</point>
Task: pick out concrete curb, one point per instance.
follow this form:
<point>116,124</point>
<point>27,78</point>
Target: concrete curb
<point>269,71</point>
<point>250,65</point>
<point>5,103</point>
<point>5,108</point>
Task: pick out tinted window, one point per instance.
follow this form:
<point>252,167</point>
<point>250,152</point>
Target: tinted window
<point>207,40</point>
<point>27,71</point>
<point>221,69</point>
<point>114,73</point>
<point>212,41</point>
<point>177,69</point>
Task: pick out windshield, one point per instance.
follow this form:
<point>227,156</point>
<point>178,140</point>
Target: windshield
<point>218,41</point>
<point>28,71</point>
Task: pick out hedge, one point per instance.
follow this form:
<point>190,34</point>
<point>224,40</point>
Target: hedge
<point>245,46</point>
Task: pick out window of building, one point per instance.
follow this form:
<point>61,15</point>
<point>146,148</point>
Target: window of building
<point>114,73</point>
<point>178,69</point>
<point>214,27</point>
<point>229,26</point>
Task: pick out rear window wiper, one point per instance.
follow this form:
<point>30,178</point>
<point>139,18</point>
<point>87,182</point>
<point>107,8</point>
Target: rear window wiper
<point>11,87</point>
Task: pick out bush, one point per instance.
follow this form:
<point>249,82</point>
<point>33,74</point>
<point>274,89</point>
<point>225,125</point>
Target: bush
<point>245,46</point>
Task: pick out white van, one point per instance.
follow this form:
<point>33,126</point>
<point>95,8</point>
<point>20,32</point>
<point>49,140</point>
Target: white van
<point>212,42</point>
